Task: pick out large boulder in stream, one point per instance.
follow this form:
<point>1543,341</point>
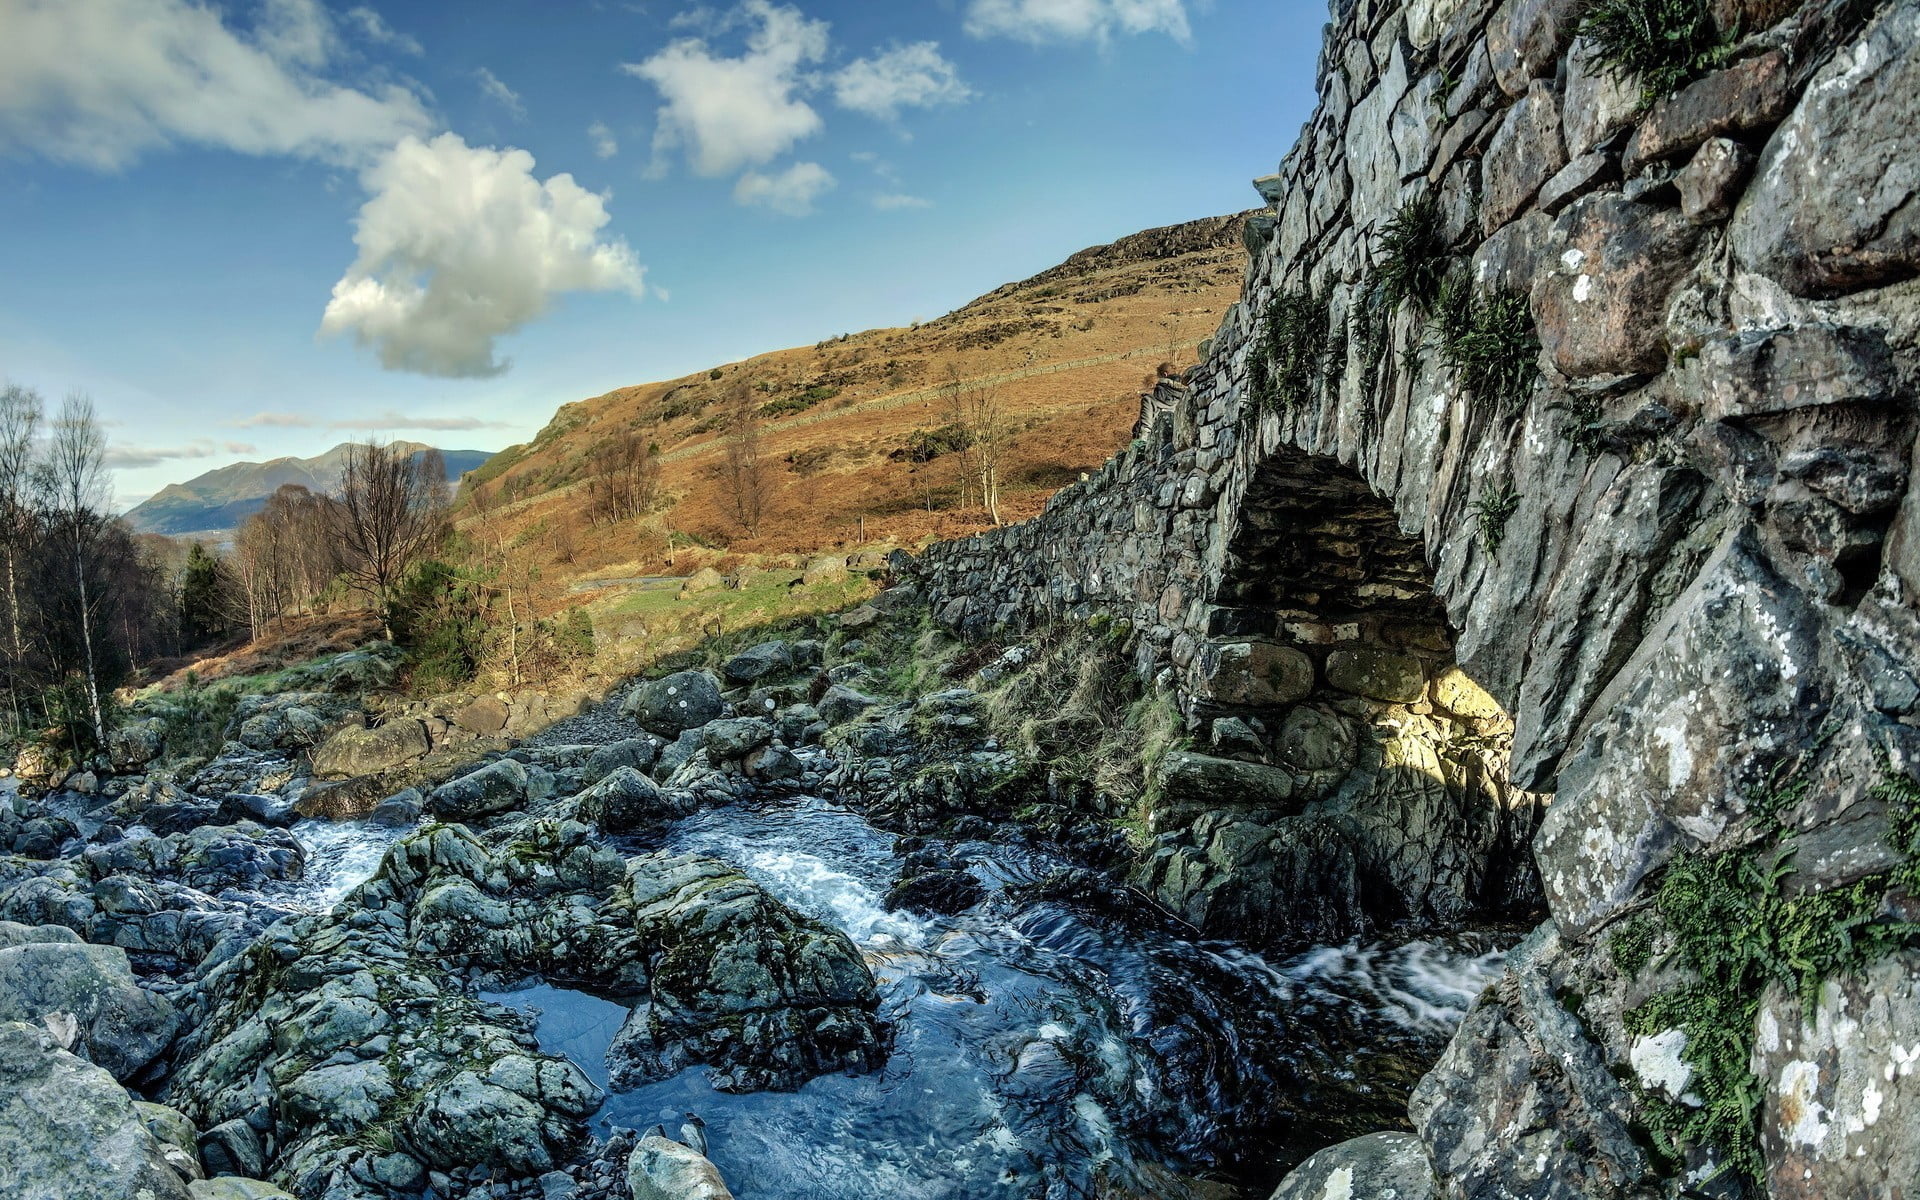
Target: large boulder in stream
<point>681,701</point>
<point>69,1131</point>
<point>663,1169</point>
<point>766,996</point>
<point>356,751</point>
<point>120,1025</point>
<point>1379,1166</point>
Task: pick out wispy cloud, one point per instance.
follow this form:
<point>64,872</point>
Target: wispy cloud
<point>393,420</point>
<point>99,84</point>
<point>605,145</point>
<point>894,201</point>
<point>498,92</point>
<point>375,29</point>
<point>274,420</point>
<point>791,192</point>
<point>134,457</point>
<point>913,76</point>
<point>1042,21</point>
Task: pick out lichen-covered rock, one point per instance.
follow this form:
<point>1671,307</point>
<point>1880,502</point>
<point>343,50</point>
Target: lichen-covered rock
<point>1842,1106</point>
<point>494,788</point>
<point>662,1169</point>
<point>1835,203</point>
<point>765,996</point>
<point>757,662</point>
<point>683,700</point>
<point>628,802</point>
<point>841,704</point>
<point>356,751</point>
<point>69,1131</point>
<point>1379,1166</point>
<point>1602,308</point>
<point>121,1026</point>
<point>1256,673</point>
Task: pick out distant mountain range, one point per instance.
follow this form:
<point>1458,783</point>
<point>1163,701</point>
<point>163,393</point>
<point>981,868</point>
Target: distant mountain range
<point>215,504</point>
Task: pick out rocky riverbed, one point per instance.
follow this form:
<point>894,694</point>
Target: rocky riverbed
<point>769,895</point>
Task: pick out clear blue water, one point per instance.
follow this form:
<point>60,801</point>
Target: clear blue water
<point>1040,1051</point>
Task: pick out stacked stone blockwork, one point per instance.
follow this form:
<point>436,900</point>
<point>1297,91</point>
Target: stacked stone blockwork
<point>1634,372</point>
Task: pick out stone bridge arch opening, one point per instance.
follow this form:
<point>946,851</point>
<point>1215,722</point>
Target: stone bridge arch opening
<point>1346,776</point>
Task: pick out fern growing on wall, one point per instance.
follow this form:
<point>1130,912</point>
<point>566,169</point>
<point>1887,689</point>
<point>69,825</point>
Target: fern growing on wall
<point>1291,354</point>
<point>1663,44</point>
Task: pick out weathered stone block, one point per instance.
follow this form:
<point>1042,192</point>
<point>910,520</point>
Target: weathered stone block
<point>1377,674</point>
<point>1834,206</point>
<point>1710,183</point>
<point>1602,308</point>
<point>1746,96</point>
<point>1524,153</point>
<point>1255,673</point>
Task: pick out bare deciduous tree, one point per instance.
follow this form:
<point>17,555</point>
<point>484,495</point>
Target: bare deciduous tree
<point>623,479</point>
<point>744,477</point>
<point>77,487</point>
<point>391,514</point>
<point>20,413</point>
<point>976,409</point>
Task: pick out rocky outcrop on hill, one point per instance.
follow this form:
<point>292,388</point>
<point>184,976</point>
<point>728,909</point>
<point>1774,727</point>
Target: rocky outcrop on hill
<point>1601,389</point>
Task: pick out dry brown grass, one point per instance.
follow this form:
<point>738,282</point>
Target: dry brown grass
<point>1069,352</point>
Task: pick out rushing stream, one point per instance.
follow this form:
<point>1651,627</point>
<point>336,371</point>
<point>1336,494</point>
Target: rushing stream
<point>1039,1050</point>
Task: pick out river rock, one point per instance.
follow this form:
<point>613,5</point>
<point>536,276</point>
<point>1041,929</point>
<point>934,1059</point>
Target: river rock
<point>628,802</point>
<point>485,717</point>
<point>122,1026</point>
<point>638,753</point>
<point>354,751</point>
<point>70,1131</point>
<point>764,995</point>
<point>734,738</point>
<point>841,703</point>
<point>757,662</point>
<point>492,789</point>
<point>662,1169</point>
<point>681,701</point>
<point>1380,1166</point>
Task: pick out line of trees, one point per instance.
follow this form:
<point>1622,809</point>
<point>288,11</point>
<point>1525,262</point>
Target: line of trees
<point>84,601</point>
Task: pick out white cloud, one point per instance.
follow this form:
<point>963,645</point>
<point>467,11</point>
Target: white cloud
<point>913,76</point>
<point>791,192</point>
<point>274,420</point>
<point>99,82</point>
<point>728,113</point>
<point>605,145</point>
<point>500,93</point>
<point>1041,21</point>
<point>375,29</point>
<point>394,420</point>
<point>461,244</point>
<point>135,457</point>
<point>895,201</point>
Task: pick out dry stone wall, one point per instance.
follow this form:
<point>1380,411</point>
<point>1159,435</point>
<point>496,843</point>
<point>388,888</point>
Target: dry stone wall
<point>1622,381</point>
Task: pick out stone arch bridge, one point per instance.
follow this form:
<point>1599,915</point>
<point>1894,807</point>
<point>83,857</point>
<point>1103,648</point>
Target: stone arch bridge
<point>1680,545</point>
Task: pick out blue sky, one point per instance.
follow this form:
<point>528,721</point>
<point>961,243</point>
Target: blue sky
<point>260,227</point>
